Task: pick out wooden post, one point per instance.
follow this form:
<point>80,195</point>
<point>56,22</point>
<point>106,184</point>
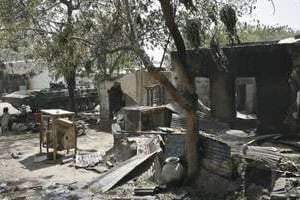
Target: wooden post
<point>54,137</point>
<point>41,132</point>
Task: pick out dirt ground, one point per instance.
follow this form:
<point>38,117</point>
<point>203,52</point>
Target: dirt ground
<point>23,172</point>
<point>23,178</point>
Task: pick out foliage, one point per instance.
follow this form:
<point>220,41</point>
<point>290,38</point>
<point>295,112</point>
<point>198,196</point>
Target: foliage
<point>96,30</point>
<point>101,26</point>
<point>108,48</point>
<point>176,15</point>
<point>13,17</point>
<point>208,17</point>
<point>260,32</point>
<point>48,26</point>
<point>70,33</point>
<point>248,33</point>
<point>63,54</point>
<point>229,19</point>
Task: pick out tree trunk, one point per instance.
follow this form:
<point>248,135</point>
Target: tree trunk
<point>191,145</point>
<point>71,82</point>
<point>187,78</point>
<point>188,100</point>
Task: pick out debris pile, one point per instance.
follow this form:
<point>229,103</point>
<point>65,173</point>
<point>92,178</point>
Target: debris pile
<point>87,159</point>
<point>148,146</point>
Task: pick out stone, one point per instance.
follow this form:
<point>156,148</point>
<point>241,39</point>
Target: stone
<point>4,188</point>
<point>109,164</point>
<point>15,155</point>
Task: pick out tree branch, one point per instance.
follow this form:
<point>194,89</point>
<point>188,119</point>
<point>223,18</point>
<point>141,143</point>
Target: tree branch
<point>86,41</point>
<point>153,71</point>
<point>165,50</point>
<point>181,63</point>
<point>121,48</point>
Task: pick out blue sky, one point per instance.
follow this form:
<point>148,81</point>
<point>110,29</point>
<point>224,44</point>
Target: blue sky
<point>287,12</point>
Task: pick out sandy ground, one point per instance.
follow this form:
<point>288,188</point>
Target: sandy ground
<point>48,180</point>
<point>52,181</point>
<point>24,171</point>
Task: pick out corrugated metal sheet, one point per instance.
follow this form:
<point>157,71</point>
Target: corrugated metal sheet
<point>216,155</point>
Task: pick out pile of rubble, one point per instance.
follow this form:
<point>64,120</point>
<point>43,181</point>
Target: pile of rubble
<point>147,161</point>
<point>235,162</point>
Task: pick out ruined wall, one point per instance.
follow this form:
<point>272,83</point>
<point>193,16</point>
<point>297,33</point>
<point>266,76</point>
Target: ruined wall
<point>223,96</point>
<point>202,90</point>
<point>269,63</point>
<point>142,80</point>
<point>128,86</point>
<point>246,94</point>
<point>273,100</point>
<point>133,86</point>
<point>174,145</point>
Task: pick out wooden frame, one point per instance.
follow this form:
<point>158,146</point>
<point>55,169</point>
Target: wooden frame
<point>59,118</point>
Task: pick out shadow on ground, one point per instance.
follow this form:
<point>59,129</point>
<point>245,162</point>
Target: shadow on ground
<point>31,164</point>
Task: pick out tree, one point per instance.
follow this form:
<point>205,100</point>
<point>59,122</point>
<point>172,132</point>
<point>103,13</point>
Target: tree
<point>58,45</point>
<point>51,28</point>
<point>105,39</point>
<point>248,33</point>
<point>202,20</point>
<point>131,25</point>
<point>260,32</point>
<point>119,28</point>
<point>189,103</point>
<point>70,35</point>
<point>12,19</point>
<point>64,56</point>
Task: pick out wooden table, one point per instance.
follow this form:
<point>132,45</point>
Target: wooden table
<point>55,115</point>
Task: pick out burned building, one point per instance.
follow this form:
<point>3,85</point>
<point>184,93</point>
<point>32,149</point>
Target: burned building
<point>269,64</point>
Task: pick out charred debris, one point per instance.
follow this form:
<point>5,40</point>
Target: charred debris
<point>248,143</point>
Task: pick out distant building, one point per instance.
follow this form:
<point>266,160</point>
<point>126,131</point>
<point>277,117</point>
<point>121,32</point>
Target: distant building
<point>32,75</point>
<point>24,74</point>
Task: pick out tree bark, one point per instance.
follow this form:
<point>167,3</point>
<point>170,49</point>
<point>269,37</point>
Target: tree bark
<point>71,82</point>
<point>181,64</point>
<point>188,101</point>
<point>70,76</point>
<point>191,138</point>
